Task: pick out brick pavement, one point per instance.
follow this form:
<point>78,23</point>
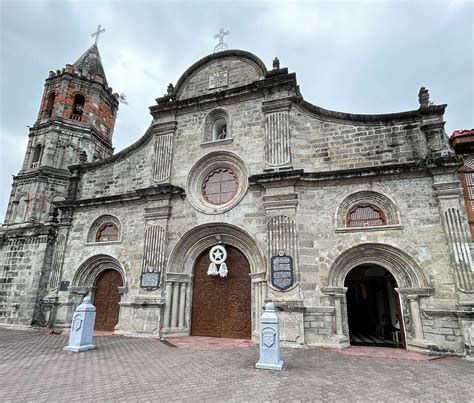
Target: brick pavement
<point>33,368</point>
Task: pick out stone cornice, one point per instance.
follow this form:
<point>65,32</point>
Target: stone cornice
<point>162,191</point>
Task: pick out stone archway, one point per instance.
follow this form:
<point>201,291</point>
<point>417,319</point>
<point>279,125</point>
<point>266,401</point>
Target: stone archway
<point>412,285</point>
<point>181,263</point>
<point>103,277</point>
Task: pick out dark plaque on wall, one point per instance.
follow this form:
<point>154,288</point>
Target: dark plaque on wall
<point>63,285</point>
<point>282,271</point>
<point>150,280</point>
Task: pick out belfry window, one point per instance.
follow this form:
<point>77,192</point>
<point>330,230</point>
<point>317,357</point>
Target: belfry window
<point>50,105</point>
<point>36,156</point>
<point>78,107</point>
<point>107,232</point>
<point>365,215</point>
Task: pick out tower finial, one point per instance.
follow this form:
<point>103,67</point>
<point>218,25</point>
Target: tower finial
<point>221,45</point>
<point>97,33</point>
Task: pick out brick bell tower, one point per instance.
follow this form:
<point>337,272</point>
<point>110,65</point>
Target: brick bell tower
<point>75,125</point>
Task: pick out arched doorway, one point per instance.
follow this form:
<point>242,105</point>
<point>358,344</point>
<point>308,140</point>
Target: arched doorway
<point>106,300</point>
<point>373,307</point>
<point>221,307</point>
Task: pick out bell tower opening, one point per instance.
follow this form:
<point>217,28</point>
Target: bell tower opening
<point>373,308</point>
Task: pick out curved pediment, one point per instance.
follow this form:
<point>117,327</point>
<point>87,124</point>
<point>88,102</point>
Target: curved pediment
<point>219,71</point>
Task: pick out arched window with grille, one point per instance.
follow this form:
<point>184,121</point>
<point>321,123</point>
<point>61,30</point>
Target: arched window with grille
<point>35,162</point>
<point>107,232</point>
<point>365,215</point>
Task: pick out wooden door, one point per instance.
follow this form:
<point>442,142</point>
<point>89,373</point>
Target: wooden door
<point>106,300</point>
<point>221,306</point>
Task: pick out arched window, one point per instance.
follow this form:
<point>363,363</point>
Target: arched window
<point>78,107</point>
<point>50,104</point>
<point>107,232</point>
<point>36,156</point>
<point>216,126</point>
<point>365,215</point>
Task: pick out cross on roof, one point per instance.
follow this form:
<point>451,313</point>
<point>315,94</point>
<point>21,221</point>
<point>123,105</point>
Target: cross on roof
<point>221,45</point>
<point>97,33</point>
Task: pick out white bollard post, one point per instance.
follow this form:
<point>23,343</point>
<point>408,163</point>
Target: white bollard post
<point>82,327</point>
<point>269,340</point>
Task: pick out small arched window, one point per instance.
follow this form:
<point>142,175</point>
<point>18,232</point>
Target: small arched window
<point>216,126</point>
<point>36,156</point>
<point>78,107</point>
<point>365,215</point>
<point>107,232</point>
<point>50,104</point>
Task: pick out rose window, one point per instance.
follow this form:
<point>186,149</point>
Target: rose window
<point>220,186</point>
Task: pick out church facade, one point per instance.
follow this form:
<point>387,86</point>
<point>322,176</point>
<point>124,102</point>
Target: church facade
<point>240,191</point>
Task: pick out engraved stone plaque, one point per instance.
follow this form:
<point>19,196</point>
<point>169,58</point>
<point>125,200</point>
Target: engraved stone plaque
<point>218,79</point>
<point>282,272</point>
<point>150,280</point>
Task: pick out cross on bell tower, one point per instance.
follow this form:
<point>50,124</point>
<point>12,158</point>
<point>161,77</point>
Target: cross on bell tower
<point>221,45</point>
<point>97,33</point>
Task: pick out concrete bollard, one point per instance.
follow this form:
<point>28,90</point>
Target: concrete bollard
<point>269,340</point>
<point>82,327</point>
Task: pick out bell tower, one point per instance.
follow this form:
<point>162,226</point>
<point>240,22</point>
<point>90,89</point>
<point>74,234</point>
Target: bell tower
<point>75,125</point>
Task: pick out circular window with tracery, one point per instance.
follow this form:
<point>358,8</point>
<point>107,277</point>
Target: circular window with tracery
<point>220,186</point>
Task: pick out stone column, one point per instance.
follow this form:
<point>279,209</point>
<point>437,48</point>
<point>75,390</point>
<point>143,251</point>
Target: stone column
<point>337,305</point>
<point>174,306</point>
<point>166,316</point>
<point>182,304</point>
<point>415,316</point>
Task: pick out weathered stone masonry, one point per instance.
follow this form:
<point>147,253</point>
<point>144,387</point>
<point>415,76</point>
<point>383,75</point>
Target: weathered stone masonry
<point>300,169</point>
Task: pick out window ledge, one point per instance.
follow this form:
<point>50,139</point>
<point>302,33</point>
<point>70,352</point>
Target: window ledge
<point>217,143</point>
<point>103,243</point>
<point>373,228</point>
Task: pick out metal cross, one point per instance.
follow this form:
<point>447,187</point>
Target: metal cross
<point>221,45</point>
<point>97,34</point>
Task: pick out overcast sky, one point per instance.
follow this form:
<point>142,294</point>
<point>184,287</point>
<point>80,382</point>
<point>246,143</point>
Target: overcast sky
<point>359,57</point>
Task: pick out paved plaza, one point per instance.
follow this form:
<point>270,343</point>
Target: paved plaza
<point>33,367</point>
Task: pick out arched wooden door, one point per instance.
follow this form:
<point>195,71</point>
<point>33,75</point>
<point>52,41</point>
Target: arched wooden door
<point>106,300</point>
<point>221,306</point>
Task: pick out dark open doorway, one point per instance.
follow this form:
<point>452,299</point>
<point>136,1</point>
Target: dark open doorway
<point>373,308</point>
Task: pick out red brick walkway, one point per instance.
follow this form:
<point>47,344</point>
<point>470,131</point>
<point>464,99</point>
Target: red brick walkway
<point>33,367</point>
<point>385,352</point>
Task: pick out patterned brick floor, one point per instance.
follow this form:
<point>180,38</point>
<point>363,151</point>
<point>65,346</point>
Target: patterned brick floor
<point>33,367</point>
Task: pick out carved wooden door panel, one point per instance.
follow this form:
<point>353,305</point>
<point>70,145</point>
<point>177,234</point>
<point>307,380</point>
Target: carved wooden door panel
<point>221,306</point>
<point>106,300</point>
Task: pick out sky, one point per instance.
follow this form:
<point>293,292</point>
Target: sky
<point>352,56</point>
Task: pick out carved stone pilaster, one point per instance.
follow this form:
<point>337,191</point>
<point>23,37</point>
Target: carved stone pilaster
<point>277,133</point>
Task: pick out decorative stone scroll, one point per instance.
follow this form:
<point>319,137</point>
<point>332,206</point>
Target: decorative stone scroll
<point>153,257</point>
<point>218,79</point>
<point>162,159</point>
<point>58,256</point>
<point>461,256</point>
<point>277,132</point>
<point>281,235</point>
<point>282,271</point>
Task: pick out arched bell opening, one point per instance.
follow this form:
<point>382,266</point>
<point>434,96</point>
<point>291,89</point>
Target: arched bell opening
<point>374,313</point>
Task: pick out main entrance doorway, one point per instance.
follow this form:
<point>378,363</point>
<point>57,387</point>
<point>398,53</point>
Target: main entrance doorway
<point>221,306</point>
<point>106,300</point>
<point>373,308</point>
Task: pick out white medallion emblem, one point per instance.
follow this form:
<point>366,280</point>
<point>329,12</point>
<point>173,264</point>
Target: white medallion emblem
<point>217,255</point>
<point>268,337</point>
